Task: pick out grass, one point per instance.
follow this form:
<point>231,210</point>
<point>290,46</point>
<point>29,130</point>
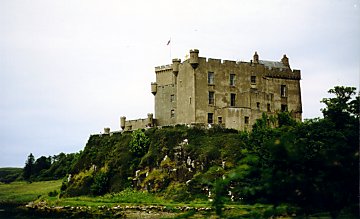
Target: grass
<point>23,192</point>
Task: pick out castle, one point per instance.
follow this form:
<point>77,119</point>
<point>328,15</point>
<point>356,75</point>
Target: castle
<point>229,93</point>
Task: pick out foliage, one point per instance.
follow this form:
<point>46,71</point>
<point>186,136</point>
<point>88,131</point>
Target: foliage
<point>10,174</point>
<point>101,182</point>
<point>29,166</point>
<point>139,143</point>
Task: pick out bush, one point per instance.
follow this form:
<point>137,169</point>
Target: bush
<point>53,193</point>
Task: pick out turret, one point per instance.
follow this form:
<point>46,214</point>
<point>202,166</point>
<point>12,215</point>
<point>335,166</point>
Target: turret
<point>106,130</point>
<point>153,88</point>
<point>256,58</point>
<point>122,122</point>
<point>285,61</point>
<point>194,58</point>
<point>175,66</point>
<point>150,119</point>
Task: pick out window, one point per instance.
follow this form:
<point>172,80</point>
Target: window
<point>210,118</point>
<point>258,105</point>
<point>232,99</point>
<point>172,114</point>
<point>210,77</point>
<point>269,96</point>
<point>246,120</point>
<point>232,79</point>
<point>268,107</point>
<point>283,108</point>
<point>172,98</point>
<point>211,97</point>
<point>253,79</point>
<point>283,90</point>
<point>220,120</point>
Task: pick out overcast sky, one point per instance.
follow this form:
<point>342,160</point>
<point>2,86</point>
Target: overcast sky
<point>70,68</point>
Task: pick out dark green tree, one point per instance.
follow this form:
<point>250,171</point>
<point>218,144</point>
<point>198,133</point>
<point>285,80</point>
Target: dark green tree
<point>341,109</point>
<point>29,167</point>
<point>42,163</point>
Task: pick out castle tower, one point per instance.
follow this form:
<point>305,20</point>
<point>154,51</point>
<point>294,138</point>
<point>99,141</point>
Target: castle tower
<point>194,58</point>
<point>175,66</point>
<point>256,58</point>
<point>153,88</point>
<point>122,122</point>
<point>150,119</point>
<point>285,61</point>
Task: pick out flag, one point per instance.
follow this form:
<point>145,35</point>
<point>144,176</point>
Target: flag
<point>168,42</point>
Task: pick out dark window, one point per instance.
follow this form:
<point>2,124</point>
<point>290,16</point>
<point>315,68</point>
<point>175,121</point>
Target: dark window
<point>246,119</point>
<point>210,118</point>
<point>210,77</point>
<point>284,108</point>
<point>211,98</point>
<point>172,113</point>
<point>268,107</point>
<point>253,79</point>
<point>232,99</point>
<point>283,90</point>
<point>232,79</point>
<point>258,105</point>
<point>220,120</point>
<point>172,98</point>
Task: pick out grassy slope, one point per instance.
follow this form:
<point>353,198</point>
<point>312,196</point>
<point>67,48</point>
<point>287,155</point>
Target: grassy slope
<point>23,192</point>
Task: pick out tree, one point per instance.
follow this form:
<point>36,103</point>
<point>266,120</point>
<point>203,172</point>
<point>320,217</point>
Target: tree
<point>139,143</point>
<point>341,108</point>
<point>29,166</point>
<point>42,163</point>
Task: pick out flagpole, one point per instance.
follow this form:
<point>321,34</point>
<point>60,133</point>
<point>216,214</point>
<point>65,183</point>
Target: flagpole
<point>169,44</point>
<point>170,47</point>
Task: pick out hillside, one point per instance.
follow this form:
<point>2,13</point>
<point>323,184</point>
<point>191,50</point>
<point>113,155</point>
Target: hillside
<point>10,174</point>
<point>312,165</point>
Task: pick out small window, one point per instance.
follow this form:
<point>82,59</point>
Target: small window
<point>211,98</point>
<point>253,79</point>
<point>220,120</point>
<point>172,98</point>
<point>210,118</point>
<point>268,107</point>
<point>172,114</point>
<point>232,79</point>
<point>284,108</point>
<point>258,105</point>
<point>269,97</point>
<point>232,99</point>
<point>210,77</point>
<point>283,91</point>
<point>246,120</point>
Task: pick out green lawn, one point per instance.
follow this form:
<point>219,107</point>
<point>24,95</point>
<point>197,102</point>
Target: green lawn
<point>23,192</point>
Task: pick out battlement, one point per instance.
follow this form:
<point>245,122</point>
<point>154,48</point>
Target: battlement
<point>163,68</point>
<point>283,73</point>
<point>128,125</point>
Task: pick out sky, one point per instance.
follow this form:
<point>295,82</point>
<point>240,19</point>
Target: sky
<point>70,68</point>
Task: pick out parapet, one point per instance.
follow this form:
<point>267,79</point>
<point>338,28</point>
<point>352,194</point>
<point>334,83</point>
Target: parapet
<point>129,125</point>
<point>163,68</point>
